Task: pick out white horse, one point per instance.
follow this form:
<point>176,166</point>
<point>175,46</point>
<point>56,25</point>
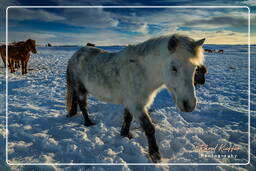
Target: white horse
<point>133,76</point>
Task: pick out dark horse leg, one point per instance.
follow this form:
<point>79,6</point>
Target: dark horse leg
<point>4,59</point>
<point>24,67</point>
<point>126,124</point>
<point>11,63</point>
<point>149,130</point>
<point>79,97</point>
<point>82,101</point>
<point>17,64</point>
<point>74,104</point>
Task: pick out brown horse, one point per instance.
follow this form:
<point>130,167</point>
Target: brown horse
<point>200,74</point>
<point>221,51</point>
<point>17,63</point>
<point>2,53</point>
<point>90,44</point>
<point>19,52</point>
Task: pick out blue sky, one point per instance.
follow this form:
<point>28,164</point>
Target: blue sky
<point>115,26</point>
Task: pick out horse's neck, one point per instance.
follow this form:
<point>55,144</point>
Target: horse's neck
<point>153,66</point>
<point>25,48</point>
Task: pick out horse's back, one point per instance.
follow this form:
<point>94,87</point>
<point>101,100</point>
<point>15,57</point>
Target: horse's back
<point>2,50</point>
<point>14,52</point>
<point>81,58</point>
<point>98,70</point>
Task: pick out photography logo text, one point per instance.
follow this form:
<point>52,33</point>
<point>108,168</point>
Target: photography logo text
<point>218,151</point>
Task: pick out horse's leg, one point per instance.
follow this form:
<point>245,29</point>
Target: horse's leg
<point>26,67</point>
<point>23,65</point>
<point>82,101</point>
<point>4,59</point>
<point>73,110</point>
<point>16,64</point>
<point>11,63</point>
<point>126,124</point>
<point>149,129</point>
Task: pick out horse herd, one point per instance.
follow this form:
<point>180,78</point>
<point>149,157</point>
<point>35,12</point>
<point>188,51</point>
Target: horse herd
<point>214,50</point>
<point>131,77</point>
<point>18,53</point>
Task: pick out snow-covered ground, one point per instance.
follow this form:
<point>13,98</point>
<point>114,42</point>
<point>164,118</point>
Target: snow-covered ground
<point>39,132</point>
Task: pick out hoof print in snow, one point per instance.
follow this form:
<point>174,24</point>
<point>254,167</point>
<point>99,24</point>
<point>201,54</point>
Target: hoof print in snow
<point>155,157</point>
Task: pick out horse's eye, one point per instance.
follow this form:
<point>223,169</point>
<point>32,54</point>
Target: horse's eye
<point>174,69</point>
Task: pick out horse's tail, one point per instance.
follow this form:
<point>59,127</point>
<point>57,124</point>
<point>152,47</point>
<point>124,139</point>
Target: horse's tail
<point>69,96</point>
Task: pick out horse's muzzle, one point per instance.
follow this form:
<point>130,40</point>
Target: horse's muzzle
<point>188,107</point>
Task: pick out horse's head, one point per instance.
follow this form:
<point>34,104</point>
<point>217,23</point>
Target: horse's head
<point>182,56</point>
<point>31,45</point>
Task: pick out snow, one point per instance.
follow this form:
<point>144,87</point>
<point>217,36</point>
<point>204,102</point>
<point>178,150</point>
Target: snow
<point>39,132</point>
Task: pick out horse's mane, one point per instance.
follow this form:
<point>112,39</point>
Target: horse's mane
<point>197,53</point>
<point>144,48</point>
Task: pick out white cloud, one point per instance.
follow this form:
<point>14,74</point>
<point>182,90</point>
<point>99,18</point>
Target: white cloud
<point>143,28</point>
<point>107,37</point>
<point>92,17</point>
<point>135,27</point>
<point>165,22</point>
<point>249,2</point>
<point>21,36</point>
<point>29,14</point>
<point>219,37</point>
<point>104,38</point>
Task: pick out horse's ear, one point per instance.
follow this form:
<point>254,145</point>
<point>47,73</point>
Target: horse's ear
<point>199,42</point>
<point>173,43</point>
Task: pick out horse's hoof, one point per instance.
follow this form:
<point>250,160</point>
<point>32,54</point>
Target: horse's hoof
<point>155,157</point>
<point>89,124</point>
<point>129,135</point>
<point>71,114</point>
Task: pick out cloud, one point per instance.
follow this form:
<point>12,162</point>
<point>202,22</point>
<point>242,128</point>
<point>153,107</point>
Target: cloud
<point>219,37</point>
<point>108,37</point>
<point>98,2</point>
<point>249,2</point>
<point>22,14</point>
<point>118,27</point>
<point>102,37</point>
<point>105,38</point>
<point>219,21</point>
<point>172,19</point>
<point>143,28</point>
<point>21,36</point>
<point>135,27</point>
<point>89,17</point>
